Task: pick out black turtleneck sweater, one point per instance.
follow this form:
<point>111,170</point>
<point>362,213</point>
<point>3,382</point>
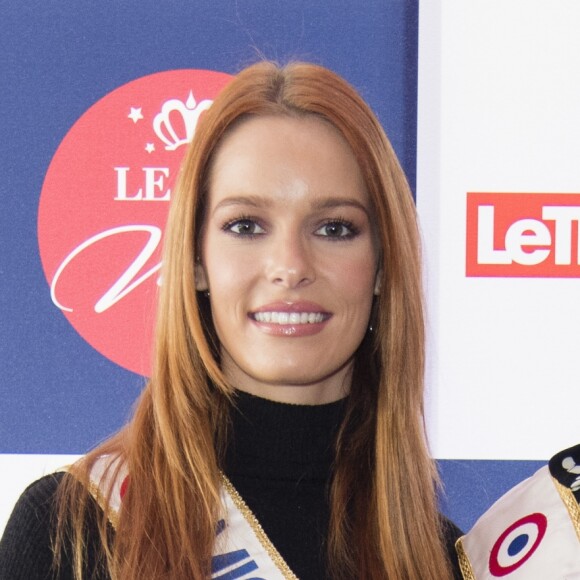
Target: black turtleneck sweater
<point>279,459</point>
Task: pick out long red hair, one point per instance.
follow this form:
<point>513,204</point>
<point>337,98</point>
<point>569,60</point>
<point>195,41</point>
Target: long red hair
<point>384,517</point>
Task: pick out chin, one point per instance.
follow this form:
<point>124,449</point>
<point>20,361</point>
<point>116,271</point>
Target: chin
<point>287,379</point>
<point>294,375</point>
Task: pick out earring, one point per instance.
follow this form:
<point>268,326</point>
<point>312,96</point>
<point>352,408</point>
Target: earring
<point>373,316</point>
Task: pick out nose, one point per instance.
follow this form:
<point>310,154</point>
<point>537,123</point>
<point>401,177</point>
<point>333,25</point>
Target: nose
<point>290,263</point>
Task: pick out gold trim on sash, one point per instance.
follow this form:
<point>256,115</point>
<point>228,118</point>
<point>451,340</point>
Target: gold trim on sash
<point>464,563</point>
<point>258,530</point>
<point>240,504</point>
<point>570,503</point>
<point>112,514</point>
<point>97,495</point>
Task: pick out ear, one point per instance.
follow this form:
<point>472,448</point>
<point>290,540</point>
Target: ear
<point>201,284</point>
<point>378,279</point>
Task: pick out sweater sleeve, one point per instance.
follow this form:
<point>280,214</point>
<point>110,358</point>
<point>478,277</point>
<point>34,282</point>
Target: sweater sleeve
<point>26,546</point>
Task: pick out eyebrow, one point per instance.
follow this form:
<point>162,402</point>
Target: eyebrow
<point>333,202</point>
<point>251,200</point>
<point>318,204</point>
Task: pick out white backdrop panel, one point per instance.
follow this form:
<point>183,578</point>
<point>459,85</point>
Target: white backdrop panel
<point>499,111</point>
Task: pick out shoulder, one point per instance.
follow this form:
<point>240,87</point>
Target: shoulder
<point>36,504</point>
<point>41,492</point>
<point>26,546</point>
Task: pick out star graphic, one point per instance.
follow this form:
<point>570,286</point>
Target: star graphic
<point>150,147</point>
<point>135,114</point>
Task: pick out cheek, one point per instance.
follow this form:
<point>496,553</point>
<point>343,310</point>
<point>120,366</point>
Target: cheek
<point>227,268</point>
<point>230,279</point>
<point>356,279</point>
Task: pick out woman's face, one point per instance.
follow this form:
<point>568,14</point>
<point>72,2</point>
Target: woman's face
<point>288,256</point>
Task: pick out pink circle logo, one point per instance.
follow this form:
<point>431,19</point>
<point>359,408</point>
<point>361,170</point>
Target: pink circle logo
<point>104,204</point>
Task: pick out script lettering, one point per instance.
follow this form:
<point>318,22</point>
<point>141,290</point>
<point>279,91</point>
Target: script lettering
<point>128,280</point>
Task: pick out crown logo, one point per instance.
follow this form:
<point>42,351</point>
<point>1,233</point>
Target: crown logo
<point>189,111</point>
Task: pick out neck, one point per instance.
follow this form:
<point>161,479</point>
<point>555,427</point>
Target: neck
<point>322,391</point>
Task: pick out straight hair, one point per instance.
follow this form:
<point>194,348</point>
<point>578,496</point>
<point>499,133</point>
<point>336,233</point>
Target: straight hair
<point>383,496</point>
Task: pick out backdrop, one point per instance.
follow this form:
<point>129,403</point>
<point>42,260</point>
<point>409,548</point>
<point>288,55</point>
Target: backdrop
<point>97,103</point>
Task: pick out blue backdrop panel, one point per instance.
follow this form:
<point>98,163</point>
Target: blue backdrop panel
<point>59,58</point>
<point>472,486</point>
<point>57,394</point>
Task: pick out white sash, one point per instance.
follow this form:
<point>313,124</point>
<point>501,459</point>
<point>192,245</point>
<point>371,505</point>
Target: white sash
<point>242,550</point>
<point>531,533</point>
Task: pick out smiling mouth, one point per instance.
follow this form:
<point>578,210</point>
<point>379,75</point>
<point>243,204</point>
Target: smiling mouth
<point>284,318</point>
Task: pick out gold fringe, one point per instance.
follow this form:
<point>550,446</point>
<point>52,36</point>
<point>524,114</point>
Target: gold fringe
<point>570,503</point>
<point>464,563</point>
<point>258,530</point>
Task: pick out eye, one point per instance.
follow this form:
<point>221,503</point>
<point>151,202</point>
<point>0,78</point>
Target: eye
<point>338,230</point>
<point>244,227</point>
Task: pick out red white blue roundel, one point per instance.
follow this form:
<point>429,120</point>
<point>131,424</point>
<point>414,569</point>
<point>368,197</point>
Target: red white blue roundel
<point>516,544</point>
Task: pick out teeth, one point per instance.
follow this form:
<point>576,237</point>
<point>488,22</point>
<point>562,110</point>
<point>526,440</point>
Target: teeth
<point>289,317</point>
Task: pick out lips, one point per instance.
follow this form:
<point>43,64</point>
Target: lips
<point>291,318</point>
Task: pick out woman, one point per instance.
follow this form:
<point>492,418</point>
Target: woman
<point>288,372</point>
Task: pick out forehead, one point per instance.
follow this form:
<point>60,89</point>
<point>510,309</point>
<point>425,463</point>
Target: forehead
<point>282,154</point>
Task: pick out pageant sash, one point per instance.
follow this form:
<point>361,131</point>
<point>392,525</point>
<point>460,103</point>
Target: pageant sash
<point>532,532</point>
<point>242,549</point>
